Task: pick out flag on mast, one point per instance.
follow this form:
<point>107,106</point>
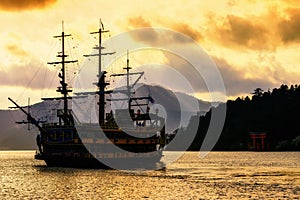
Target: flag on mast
<point>101,24</point>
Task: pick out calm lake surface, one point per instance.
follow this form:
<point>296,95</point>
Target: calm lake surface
<point>220,175</point>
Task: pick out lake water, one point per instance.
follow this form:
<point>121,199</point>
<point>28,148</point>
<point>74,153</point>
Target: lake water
<point>220,175</point>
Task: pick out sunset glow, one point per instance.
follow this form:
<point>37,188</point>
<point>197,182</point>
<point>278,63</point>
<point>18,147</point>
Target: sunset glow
<point>254,43</point>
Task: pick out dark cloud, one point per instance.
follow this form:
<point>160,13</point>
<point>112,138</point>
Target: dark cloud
<point>17,5</point>
<point>236,82</point>
<point>138,22</point>
<point>153,36</point>
<point>148,35</point>
<point>289,28</point>
<point>266,31</point>
<point>239,32</point>
<point>235,79</point>
<point>262,33</point>
<point>189,31</point>
<point>186,70</point>
<point>29,73</point>
<point>263,76</point>
<point>156,36</point>
<point>245,32</point>
<point>236,32</point>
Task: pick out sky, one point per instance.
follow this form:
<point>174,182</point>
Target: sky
<point>253,43</point>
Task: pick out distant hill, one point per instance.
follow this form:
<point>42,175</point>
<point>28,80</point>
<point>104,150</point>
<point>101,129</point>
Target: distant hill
<point>12,135</point>
<point>179,108</point>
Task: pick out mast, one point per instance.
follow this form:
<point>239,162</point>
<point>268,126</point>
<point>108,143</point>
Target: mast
<point>101,74</point>
<point>127,68</point>
<point>130,86</point>
<point>128,91</point>
<point>28,110</point>
<point>63,89</point>
<point>29,117</point>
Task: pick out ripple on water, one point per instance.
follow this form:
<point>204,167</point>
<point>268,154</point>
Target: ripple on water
<point>220,175</point>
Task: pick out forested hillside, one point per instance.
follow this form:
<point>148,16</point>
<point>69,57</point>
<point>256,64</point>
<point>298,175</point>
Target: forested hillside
<point>275,112</point>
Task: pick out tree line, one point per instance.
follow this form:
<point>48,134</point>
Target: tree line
<point>276,112</point>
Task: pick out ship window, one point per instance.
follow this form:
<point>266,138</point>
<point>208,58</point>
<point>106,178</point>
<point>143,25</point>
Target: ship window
<point>58,136</point>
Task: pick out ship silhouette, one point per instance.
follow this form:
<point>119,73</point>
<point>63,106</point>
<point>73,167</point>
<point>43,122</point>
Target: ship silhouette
<point>124,138</point>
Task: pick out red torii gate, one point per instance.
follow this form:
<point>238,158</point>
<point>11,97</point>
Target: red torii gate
<point>261,137</point>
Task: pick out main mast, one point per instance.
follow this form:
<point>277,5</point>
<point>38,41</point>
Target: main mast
<point>127,68</point>
<point>63,89</point>
<point>101,74</point>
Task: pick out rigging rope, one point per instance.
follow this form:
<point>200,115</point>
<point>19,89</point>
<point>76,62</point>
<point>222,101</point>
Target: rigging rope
<point>29,83</point>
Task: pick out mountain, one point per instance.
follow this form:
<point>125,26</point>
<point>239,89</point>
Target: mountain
<point>177,107</point>
<point>12,135</point>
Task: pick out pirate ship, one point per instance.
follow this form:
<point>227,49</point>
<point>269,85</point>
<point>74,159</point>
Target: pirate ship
<point>122,138</point>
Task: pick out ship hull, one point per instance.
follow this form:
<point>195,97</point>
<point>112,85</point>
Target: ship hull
<point>118,150</point>
<point>84,163</point>
<point>129,163</point>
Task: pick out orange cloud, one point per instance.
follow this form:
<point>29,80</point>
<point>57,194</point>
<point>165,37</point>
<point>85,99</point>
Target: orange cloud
<point>289,28</point>
<point>239,32</point>
<point>245,32</point>
<point>189,31</point>
<point>267,31</point>
<point>138,22</point>
<point>16,50</point>
<point>17,5</point>
<point>152,37</point>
